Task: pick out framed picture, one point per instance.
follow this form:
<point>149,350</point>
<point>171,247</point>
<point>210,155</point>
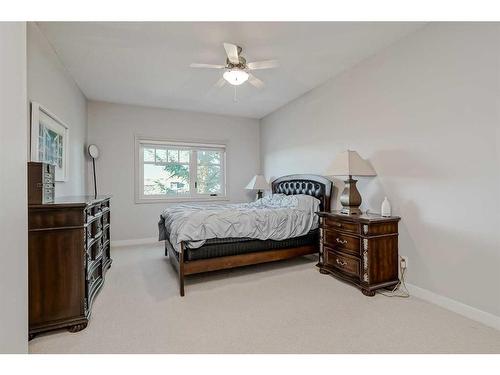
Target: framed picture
<point>49,140</point>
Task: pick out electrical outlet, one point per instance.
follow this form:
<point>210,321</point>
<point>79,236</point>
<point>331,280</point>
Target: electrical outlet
<point>403,261</point>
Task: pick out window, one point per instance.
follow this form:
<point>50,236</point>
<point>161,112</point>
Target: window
<point>180,171</point>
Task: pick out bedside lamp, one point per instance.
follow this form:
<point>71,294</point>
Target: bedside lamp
<point>349,163</point>
<point>258,183</point>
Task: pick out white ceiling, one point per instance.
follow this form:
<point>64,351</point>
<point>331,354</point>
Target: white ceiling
<point>148,63</point>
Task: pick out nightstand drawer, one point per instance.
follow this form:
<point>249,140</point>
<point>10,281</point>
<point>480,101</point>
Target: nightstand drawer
<point>339,224</point>
<point>343,262</point>
<point>340,241</point>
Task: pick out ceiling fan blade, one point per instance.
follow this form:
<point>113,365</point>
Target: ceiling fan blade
<point>210,66</point>
<point>232,53</point>
<point>255,82</point>
<point>215,88</point>
<point>221,82</point>
<point>267,64</point>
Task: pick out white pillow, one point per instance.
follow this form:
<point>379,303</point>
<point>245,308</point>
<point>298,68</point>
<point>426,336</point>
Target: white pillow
<point>302,202</point>
<point>277,201</point>
<point>307,202</point>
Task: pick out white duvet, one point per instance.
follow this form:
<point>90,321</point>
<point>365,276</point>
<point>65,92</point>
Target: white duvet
<point>275,217</point>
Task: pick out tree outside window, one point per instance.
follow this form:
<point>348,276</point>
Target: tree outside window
<point>174,172</point>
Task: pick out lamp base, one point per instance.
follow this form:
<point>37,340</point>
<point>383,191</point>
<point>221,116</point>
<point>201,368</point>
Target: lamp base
<point>350,198</point>
<point>351,211</point>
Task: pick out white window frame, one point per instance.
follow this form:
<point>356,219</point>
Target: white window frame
<point>140,142</point>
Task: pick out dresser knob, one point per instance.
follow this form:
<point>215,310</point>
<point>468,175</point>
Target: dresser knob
<point>343,242</point>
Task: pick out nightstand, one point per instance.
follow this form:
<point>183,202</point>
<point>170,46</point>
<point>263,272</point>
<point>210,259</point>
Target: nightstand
<point>360,249</point>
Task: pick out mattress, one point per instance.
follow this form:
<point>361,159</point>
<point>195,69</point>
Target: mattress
<point>220,247</point>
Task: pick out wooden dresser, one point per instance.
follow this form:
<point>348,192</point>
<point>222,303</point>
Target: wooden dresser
<point>360,249</point>
<point>68,256</point>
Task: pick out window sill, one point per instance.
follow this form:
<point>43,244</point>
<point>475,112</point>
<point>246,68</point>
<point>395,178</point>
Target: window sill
<point>181,200</point>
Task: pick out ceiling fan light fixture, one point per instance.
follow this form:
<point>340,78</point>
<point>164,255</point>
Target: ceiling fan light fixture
<point>235,76</point>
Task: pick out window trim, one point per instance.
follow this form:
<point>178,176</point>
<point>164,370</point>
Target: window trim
<point>200,144</point>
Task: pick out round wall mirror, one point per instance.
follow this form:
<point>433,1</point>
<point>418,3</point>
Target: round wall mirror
<point>93,151</point>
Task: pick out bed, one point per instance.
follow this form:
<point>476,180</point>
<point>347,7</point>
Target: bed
<point>193,257</point>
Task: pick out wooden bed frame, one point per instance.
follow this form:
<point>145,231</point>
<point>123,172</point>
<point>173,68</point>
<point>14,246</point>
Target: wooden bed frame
<point>317,186</point>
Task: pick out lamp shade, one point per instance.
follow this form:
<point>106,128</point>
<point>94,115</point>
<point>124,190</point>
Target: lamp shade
<point>349,163</point>
<point>258,182</point>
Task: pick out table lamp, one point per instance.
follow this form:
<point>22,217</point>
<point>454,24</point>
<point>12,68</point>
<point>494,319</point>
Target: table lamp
<point>258,183</point>
<point>349,163</point>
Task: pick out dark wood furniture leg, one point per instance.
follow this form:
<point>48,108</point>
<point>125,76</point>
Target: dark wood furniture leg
<point>181,270</point>
<point>77,327</point>
<point>177,261</point>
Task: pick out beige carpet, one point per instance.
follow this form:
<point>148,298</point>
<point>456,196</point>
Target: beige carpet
<point>285,307</point>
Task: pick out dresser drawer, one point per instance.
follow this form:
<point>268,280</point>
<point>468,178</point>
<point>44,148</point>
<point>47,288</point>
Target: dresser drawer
<point>343,262</point>
<point>96,249</point>
<point>340,241</point>
<point>94,276</point>
<point>105,234</point>
<point>105,218</point>
<point>96,228</point>
<point>339,224</point>
<point>104,205</point>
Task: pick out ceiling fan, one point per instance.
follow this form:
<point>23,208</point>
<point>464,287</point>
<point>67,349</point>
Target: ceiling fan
<point>237,69</point>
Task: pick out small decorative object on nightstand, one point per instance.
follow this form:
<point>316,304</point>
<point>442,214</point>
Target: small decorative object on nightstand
<point>349,163</point>
<point>385,210</point>
<point>258,183</point>
<point>361,250</point>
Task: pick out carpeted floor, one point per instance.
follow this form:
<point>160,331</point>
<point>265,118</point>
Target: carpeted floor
<point>284,307</point>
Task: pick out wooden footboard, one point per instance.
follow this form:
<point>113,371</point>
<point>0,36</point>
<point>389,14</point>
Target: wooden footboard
<point>192,267</point>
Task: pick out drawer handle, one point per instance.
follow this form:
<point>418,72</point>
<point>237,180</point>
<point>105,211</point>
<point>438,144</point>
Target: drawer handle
<point>343,242</point>
<point>340,262</point>
<point>338,225</point>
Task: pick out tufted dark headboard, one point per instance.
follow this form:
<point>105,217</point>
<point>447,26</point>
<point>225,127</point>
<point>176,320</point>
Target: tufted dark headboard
<point>317,186</point>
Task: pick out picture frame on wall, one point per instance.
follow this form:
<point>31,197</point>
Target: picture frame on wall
<point>49,140</point>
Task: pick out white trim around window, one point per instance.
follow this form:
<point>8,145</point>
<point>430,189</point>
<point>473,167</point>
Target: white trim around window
<point>199,170</point>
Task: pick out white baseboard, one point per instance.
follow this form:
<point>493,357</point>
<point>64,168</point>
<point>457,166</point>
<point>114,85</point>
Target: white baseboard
<point>455,306</point>
<point>138,241</point>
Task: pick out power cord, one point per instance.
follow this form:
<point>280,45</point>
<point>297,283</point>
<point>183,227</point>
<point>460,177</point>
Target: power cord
<point>400,290</point>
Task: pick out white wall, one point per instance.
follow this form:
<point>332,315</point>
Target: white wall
<point>50,85</point>
<point>112,127</point>
<point>13,201</point>
<point>425,112</point>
